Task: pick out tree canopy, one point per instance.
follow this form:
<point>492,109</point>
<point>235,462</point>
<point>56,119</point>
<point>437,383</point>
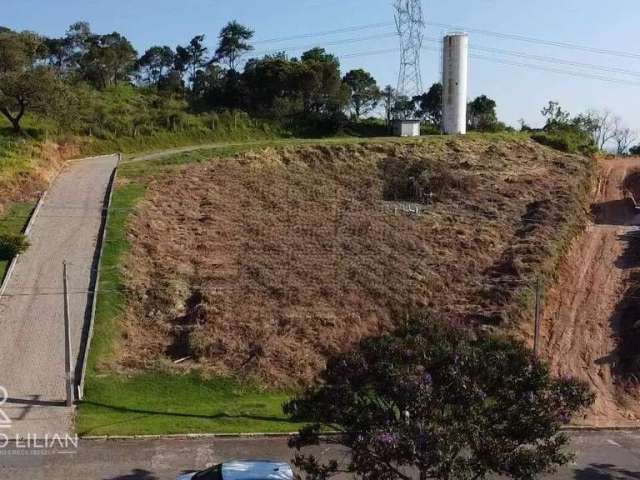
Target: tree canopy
<point>155,63</point>
<point>430,105</point>
<point>437,400</point>
<point>482,114</point>
<point>25,85</point>
<point>234,41</point>
<point>365,93</point>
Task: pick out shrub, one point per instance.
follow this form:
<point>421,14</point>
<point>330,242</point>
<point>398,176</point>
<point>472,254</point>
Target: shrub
<point>436,399</point>
<point>11,245</point>
<point>566,140</point>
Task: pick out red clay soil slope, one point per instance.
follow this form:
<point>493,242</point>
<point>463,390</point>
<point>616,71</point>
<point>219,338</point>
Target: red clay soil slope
<point>588,318</point>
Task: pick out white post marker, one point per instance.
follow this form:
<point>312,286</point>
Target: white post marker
<point>67,339</point>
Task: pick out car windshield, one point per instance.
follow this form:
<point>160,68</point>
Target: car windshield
<point>212,473</point>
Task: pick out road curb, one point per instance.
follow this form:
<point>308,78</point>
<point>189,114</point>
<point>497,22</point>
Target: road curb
<point>26,231</point>
<point>188,436</point>
<point>257,435</point>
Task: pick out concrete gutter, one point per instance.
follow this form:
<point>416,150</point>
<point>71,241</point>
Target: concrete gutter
<point>186,436</point>
<point>193,436</point>
<point>26,231</point>
<point>87,334</point>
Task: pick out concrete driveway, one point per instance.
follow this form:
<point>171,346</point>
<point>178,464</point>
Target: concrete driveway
<point>31,309</point>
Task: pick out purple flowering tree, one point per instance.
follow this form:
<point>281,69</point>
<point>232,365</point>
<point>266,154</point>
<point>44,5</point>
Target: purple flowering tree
<point>433,401</point>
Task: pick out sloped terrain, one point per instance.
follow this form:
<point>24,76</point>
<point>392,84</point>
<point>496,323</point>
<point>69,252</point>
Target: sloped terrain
<point>591,327</point>
<point>263,264</point>
<point>28,167</point>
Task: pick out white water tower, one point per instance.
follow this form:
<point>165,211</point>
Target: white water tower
<point>455,83</point>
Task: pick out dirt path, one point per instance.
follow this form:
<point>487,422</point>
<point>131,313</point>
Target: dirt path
<point>580,324</point>
<point>31,310</point>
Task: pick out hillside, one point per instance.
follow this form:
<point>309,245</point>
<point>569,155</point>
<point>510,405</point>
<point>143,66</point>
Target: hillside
<point>590,320</point>
<point>280,257</point>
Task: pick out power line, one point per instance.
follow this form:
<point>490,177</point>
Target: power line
<point>539,41</point>
<point>517,37</point>
<point>543,58</point>
<point>331,44</point>
<point>325,33</point>
<point>556,70</point>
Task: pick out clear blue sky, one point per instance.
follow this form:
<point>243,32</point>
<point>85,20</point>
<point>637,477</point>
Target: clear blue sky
<point>520,92</point>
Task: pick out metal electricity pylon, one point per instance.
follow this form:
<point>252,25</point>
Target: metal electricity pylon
<point>410,25</point>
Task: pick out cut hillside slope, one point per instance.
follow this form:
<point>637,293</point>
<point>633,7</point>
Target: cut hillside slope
<point>263,264</point>
<point>591,325</point>
<point>27,167</point>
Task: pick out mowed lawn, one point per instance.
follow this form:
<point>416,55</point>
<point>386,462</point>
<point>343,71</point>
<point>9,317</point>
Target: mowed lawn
<point>163,404</point>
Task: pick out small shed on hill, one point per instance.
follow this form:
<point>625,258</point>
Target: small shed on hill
<point>406,128</point>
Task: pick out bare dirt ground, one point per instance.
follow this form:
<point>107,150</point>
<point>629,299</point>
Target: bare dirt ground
<point>582,325</point>
<point>262,265</point>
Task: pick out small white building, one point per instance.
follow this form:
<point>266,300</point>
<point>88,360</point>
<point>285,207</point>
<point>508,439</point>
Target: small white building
<point>406,128</point>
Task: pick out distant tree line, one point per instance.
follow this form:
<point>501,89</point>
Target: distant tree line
<point>587,132</point>
<point>67,77</point>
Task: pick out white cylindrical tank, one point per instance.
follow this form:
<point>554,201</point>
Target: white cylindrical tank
<point>455,83</point>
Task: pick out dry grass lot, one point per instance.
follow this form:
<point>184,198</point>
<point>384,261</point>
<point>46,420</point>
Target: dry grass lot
<point>280,257</point>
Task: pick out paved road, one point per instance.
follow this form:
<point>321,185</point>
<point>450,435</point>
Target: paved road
<point>31,311</point>
<point>600,455</point>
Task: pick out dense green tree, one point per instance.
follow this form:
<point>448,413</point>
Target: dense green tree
<point>35,90</point>
<point>209,87</point>
<point>404,107</point>
<point>18,51</point>
<point>482,114</point>
<point>635,150</point>
<point>78,38</point>
<point>365,93</point>
<point>272,86</point>
<point>155,63</point>
<point>58,52</point>
<point>191,58</point>
<point>109,59</point>
<point>388,101</point>
<point>171,83</point>
<point>430,105</point>
<point>25,86</point>
<point>233,42</point>
<point>320,82</point>
<point>438,401</point>
<point>320,55</point>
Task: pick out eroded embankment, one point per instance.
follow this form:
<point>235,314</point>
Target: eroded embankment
<point>264,264</point>
<point>28,171</point>
<point>590,317</point>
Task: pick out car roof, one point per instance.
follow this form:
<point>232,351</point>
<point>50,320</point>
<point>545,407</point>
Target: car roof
<point>256,470</point>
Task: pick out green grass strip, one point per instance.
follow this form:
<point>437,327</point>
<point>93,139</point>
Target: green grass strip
<point>14,222</point>
<point>161,404</point>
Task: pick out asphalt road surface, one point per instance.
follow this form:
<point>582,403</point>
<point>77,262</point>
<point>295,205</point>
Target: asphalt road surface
<point>32,308</point>
<point>600,455</point>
